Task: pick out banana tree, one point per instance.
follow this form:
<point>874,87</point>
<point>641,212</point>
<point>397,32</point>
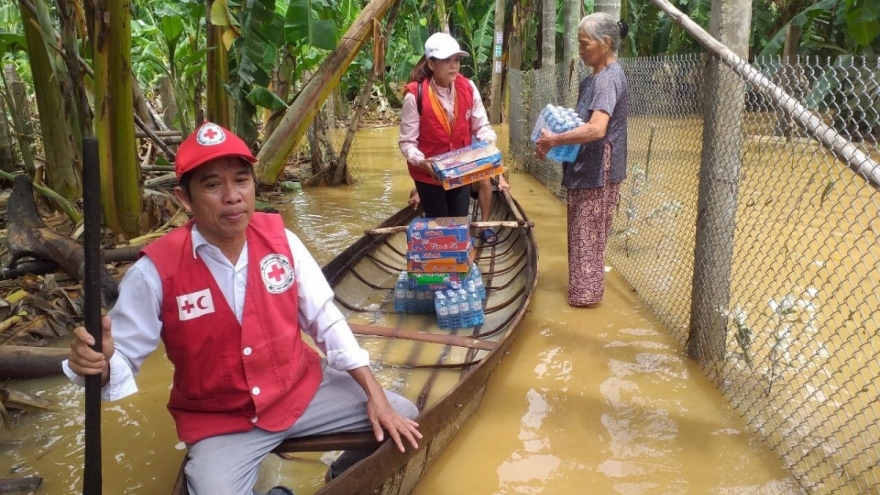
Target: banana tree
<point>252,36</point>
<point>11,43</point>
<point>278,147</point>
<point>60,142</point>
<point>114,116</point>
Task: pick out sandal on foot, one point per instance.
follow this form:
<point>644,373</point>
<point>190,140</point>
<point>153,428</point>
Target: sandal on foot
<point>280,490</point>
<point>488,236</point>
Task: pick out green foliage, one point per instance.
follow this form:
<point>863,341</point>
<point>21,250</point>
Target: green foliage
<point>834,27</point>
<point>311,22</point>
<point>260,30</point>
<point>11,43</point>
<point>652,32</point>
<point>477,26</point>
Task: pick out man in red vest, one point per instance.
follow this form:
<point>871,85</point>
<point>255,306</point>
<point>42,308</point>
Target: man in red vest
<point>228,293</point>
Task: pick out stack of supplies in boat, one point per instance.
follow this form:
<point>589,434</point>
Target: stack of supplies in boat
<point>441,275</point>
<point>558,119</point>
<point>467,165</point>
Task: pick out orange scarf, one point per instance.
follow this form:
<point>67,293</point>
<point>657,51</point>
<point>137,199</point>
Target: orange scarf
<point>438,109</point>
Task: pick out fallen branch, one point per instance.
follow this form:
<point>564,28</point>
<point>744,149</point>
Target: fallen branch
<point>27,235</point>
<point>19,362</point>
<point>71,211</point>
<point>26,484</point>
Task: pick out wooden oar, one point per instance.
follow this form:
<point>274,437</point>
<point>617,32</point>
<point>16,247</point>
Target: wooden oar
<point>92,479</point>
<point>433,338</point>
<point>474,225</point>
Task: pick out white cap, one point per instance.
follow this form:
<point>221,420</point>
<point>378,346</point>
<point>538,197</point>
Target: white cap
<point>442,46</point>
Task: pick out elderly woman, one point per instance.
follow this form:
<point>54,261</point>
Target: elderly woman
<point>593,179</point>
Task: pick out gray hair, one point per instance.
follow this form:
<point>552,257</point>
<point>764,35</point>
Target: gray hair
<point>599,25</point>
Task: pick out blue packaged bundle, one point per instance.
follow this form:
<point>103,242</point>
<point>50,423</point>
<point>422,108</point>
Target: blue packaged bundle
<point>467,165</point>
<point>558,119</point>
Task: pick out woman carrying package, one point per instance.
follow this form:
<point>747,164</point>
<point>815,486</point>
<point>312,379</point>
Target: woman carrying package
<point>593,179</point>
<point>441,111</point>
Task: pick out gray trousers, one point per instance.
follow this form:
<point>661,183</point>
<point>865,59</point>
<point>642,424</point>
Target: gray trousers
<point>228,464</point>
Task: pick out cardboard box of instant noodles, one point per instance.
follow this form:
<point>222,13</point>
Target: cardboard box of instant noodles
<point>467,165</point>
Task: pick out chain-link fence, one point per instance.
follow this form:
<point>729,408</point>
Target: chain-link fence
<point>753,243</point>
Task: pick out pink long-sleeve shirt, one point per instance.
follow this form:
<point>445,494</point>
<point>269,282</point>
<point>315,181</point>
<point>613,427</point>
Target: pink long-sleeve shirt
<point>409,120</point>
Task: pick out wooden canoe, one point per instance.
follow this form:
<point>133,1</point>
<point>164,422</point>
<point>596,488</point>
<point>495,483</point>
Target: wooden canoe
<point>445,372</point>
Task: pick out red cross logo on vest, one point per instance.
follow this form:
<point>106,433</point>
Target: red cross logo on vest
<point>277,273</point>
<point>210,134</point>
<point>195,304</point>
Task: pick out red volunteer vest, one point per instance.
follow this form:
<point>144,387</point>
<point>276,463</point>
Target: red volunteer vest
<point>229,377</point>
<point>433,138</point>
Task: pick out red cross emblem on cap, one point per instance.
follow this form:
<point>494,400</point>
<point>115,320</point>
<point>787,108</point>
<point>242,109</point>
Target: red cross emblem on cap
<point>210,134</point>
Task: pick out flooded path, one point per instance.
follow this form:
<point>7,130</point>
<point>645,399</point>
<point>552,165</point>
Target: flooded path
<point>588,401</point>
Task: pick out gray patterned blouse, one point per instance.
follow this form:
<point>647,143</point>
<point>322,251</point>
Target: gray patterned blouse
<point>607,91</point>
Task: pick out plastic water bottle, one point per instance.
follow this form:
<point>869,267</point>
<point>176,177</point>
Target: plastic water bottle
<point>464,311</point>
<point>421,302</point>
<point>410,300</point>
<point>478,282</point>
<point>442,310</point>
<point>400,293</point>
<point>454,309</point>
<point>476,305</point>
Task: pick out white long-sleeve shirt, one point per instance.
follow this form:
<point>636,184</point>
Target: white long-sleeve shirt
<point>136,325</point>
<point>410,118</point>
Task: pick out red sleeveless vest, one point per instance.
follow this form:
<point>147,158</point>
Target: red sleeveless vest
<point>229,377</point>
<point>433,138</point>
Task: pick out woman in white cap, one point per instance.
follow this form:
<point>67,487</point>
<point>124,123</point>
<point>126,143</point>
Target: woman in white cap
<point>442,111</point>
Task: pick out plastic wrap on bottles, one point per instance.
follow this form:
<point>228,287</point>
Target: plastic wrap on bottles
<point>556,120</point>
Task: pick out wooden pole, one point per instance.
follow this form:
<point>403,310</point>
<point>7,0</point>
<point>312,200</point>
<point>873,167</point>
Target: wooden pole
<point>497,65</point>
<point>92,479</point>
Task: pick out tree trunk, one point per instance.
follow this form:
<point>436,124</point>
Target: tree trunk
<point>141,106</point>
<point>571,13</point>
<point>20,110</point>
<point>7,146</point>
<point>63,161</point>
<point>120,171</point>
<point>79,113</point>
<point>442,16</point>
<point>169,101</point>
<point>497,65</point>
<point>217,73</point>
<point>719,185</point>
<point>788,77</point>
<point>21,362</point>
<point>548,33</point>
<point>281,84</point>
<point>297,118</point>
<point>363,101</point>
<point>609,7</point>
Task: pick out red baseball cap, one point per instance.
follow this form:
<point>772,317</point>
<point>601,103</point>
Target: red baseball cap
<point>206,143</point>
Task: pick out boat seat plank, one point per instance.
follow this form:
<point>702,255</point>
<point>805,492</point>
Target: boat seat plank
<point>362,440</point>
<point>435,338</point>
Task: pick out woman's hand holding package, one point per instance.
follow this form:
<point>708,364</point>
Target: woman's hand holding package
<point>544,143</point>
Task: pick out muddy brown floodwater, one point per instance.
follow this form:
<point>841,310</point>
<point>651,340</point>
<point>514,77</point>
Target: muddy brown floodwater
<point>599,401</point>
